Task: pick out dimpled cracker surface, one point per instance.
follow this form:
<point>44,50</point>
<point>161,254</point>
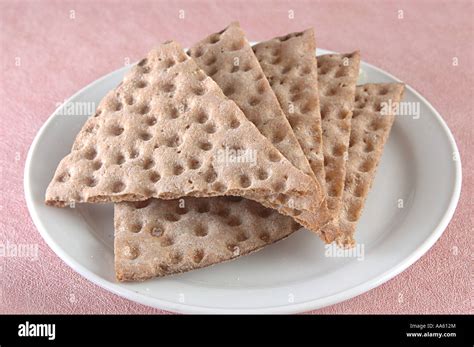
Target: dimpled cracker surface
<point>371,123</point>
<point>289,65</point>
<point>163,133</point>
<point>229,60</point>
<point>337,78</point>
<point>155,238</point>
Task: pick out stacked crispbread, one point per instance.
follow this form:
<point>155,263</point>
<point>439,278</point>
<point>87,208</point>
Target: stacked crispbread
<point>219,152</point>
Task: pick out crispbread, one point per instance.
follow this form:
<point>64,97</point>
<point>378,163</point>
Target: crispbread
<point>337,78</point>
<point>288,63</point>
<point>161,133</point>
<point>228,59</point>
<point>148,253</point>
<point>151,254</point>
<point>157,238</point>
<point>371,123</point>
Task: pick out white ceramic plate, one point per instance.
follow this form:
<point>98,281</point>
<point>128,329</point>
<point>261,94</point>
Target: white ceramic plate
<point>419,166</point>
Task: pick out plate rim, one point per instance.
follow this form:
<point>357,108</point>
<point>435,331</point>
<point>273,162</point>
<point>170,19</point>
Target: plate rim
<point>308,305</point>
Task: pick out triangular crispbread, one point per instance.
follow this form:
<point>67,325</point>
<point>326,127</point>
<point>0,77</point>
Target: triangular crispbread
<point>166,132</point>
<point>372,120</point>
<point>158,238</point>
<point>229,60</point>
<point>337,78</point>
<point>288,63</point>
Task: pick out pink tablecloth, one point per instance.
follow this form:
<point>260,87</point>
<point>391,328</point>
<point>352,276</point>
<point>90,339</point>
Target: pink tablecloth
<point>50,49</point>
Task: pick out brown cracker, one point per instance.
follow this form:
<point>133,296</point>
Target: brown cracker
<point>288,63</point>
<point>229,60</point>
<point>370,131</point>
<point>160,134</point>
<point>337,77</point>
<point>157,238</point>
<point>236,70</point>
<point>221,234</point>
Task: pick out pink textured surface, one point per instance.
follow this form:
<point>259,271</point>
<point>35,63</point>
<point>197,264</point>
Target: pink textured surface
<point>60,55</point>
